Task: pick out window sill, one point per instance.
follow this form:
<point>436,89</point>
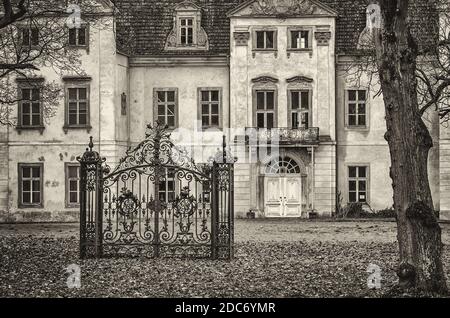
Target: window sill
<point>27,48</point>
<point>72,206</point>
<point>357,128</point>
<point>299,51</point>
<point>265,51</point>
<point>78,47</point>
<point>66,128</point>
<point>31,206</point>
<point>19,128</point>
<point>211,128</point>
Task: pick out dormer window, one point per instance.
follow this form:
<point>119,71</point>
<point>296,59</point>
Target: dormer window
<point>187,32</point>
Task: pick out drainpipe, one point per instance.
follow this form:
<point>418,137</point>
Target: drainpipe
<point>8,193</point>
<point>313,161</point>
<point>99,91</point>
<point>128,105</point>
<point>336,123</point>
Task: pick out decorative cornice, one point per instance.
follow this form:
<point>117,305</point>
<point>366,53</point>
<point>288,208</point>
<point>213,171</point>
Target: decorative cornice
<point>176,61</point>
<point>323,38</point>
<point>241,38</point>
<point>265,79</point>
<point>299,79</point>
<point>37,79</point>
<point>70,78</point>
<point>282,8</point>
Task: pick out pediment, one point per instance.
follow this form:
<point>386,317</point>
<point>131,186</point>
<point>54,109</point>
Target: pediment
<point>299,79</point>
<point>187,6</point>
<point>281,8</point>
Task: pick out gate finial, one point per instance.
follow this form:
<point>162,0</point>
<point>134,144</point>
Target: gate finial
<point>224,149</point>
<point>91,143</point>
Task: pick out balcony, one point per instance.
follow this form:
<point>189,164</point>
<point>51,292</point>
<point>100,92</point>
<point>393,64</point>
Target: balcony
<point>287,136</point>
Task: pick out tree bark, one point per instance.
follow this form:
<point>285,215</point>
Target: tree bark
<point>418,232</point>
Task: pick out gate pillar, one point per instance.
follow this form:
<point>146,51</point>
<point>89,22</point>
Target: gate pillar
<point>91,203</point>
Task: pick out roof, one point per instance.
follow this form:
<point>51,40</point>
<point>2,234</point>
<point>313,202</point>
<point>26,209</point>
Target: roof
<point>143,25</point>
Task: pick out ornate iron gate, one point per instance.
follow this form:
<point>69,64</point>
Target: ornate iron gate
<point>156,203</point>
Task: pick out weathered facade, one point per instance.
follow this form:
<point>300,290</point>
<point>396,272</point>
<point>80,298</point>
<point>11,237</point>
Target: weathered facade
<point>258,71</point>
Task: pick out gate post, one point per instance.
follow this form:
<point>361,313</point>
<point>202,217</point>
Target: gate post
<point>214,209</point>
<point>222,228</point>
<point>91,203</point>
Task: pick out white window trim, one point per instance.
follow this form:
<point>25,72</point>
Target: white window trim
<point>199,106</point>
<point>275,40</point>
<point>289,37</point>
<point>155,103</point>
<point>347,180</point>
<point>78,46</point>
<point>346,102</point>
<point>289,104</point>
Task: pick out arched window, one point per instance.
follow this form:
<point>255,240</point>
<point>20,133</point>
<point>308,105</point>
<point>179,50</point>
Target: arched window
<point>283,165</point>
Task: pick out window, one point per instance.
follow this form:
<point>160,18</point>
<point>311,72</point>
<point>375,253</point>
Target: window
<point>265,109</point>
<point>30,37</point>
<point>167,187</point>
<point>187,31</point>
<point>356,108</point>
<point>72,185</point>
<point>166,106</point>
<point>31,185</point>
<point>299,39</point>
<point>282,165</point>
<point>357,184</point>
<point>77,106</point>
<point>210,107</point>
<point>265,40</point>
<point>30,108</point>
<point>299,102</point>
<point>77,103</point>
<point>78,36</point>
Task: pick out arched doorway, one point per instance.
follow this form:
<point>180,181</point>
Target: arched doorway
<point>283,188</point>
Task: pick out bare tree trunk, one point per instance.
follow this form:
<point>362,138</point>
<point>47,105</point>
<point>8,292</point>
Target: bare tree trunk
<point>419,234</point>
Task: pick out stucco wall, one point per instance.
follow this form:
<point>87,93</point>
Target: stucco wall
<point>54,147</point>
<point>318,64</point>
<point>367,146</point>
<point>187,80</point>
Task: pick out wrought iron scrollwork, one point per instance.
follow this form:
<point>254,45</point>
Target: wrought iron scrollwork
<point>157,202</point>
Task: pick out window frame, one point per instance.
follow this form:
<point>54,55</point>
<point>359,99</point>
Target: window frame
<point>357,179</point>
<point>30,45</point>
<point>68,165</point>
<point>20,167</point>
<point>200,103</point>
<point>290,110</point>
<point>299,29</point>
<point>255,106</point>
<point>156,104</point>
<point>77,45</point>
<point>75,82</point>
<point>357,101</point>
<point>255,40</point>
<point>180,27</point>
<point>167,178</point>
<point>33,83</point>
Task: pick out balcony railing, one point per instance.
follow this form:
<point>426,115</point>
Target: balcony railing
<point>284,135</point>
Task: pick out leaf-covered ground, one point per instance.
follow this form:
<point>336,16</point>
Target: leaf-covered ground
<point>34,265</point>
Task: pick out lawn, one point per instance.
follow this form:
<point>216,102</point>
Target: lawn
<point>274,258</point>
